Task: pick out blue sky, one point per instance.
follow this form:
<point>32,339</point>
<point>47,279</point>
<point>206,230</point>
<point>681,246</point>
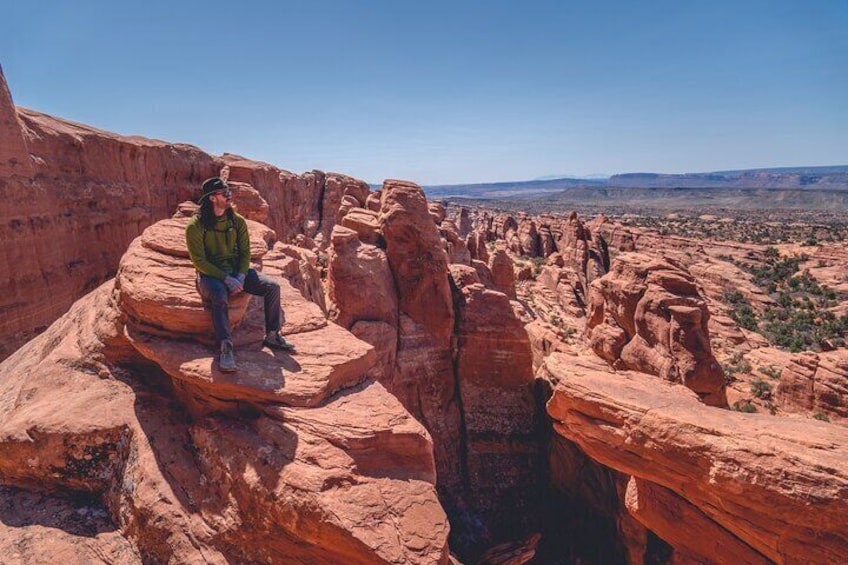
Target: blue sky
<point>449,92</point>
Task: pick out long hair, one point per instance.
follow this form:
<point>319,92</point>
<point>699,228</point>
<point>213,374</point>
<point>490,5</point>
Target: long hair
<point>207,214</point>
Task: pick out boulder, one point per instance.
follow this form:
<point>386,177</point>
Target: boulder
<point>365,223</point>
<point>157,282</point>
<point>249,203</point>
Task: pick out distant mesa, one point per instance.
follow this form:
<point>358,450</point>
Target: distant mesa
<point>812,188</point>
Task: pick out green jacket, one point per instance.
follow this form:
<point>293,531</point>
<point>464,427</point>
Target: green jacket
<point>222,251</point>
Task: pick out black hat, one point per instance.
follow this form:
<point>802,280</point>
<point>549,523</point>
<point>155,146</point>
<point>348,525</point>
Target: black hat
<point>211,186</point>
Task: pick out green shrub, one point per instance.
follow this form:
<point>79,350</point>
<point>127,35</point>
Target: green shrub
<point>821,416</point>
<point>744,406</point>
<point>761,389</point>
<point>770,371</point>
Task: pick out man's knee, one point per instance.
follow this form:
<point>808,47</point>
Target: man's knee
<point>273,288</point>
<point>214,291</point>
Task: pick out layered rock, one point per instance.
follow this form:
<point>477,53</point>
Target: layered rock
<point>815,383</point>
<point>74,197</point>
<point>291,459</point>
<point>67,219</point>
<point>423,379</point>
<point>648,315</point>
<point>440,342</point>
<point>157,281</point>
<point>494,372</point>
<point>764,488</point>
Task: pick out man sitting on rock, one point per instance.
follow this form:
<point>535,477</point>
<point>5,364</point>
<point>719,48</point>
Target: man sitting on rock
<point>219,246</point>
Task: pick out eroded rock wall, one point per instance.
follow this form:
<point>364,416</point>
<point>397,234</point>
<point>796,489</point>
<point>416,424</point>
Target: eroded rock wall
<point>72,197</point>
<point>451,348</point>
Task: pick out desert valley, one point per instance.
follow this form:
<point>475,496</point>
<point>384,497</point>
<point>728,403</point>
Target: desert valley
<point>475,381</point>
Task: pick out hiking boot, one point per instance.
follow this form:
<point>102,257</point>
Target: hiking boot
<point>227,363</point>
<point>275,341</point>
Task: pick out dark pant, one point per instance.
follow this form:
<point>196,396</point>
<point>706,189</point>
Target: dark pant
<point>215,291</point>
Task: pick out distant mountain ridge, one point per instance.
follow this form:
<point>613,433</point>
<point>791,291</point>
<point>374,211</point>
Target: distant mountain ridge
<point>508,189</point>
<point>827,178</point>
<point>831,177</point>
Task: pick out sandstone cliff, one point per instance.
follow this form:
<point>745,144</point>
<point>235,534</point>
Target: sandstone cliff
<point>451,349</point>
<point>73,197</point>
<point>749,488</point>
<point>292,459</point>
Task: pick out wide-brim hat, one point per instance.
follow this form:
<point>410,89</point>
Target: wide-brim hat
<point>211,186</point>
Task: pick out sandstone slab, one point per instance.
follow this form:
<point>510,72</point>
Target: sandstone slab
<point>780,486</point>
<point>327,360</point>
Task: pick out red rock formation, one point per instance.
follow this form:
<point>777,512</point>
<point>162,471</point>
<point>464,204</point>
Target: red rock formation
<point>456,247</point>
<point>503,272</point>
<point>66,221</point>
<point>362,297</point>
<point>14,155</point>
<point>329,467</point>
<point>300,267</point>
<point>494,372</point>
<point>701,540</point>
<point>437,212</point>
<point>512,553</point>
<point>424,377</point>
<point>465,223</point>
<point>73,197</point>
<point>157,281</point>
<point>501,226</point>
<point>528,237</point>
<point>429,344</point>
<point>306,204</point>
<point>476,243</point>
<point>764,488</point>
<point>815,383</point>
<point>647,315</point>
<point>546,241</point>
<point>365,223</point>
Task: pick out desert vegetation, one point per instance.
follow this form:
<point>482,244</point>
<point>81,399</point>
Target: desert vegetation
<point>802,318</point>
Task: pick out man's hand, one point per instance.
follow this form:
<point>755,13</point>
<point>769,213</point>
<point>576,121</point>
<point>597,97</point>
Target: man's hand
<point>233,285</point>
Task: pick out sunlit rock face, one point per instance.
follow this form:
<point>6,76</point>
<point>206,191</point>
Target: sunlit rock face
<point>749,481</point>
<point>816,383</point>
<point>647,315</point>
<point>452,349</point>
<point>293,458</point>
<point>74,197</point>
